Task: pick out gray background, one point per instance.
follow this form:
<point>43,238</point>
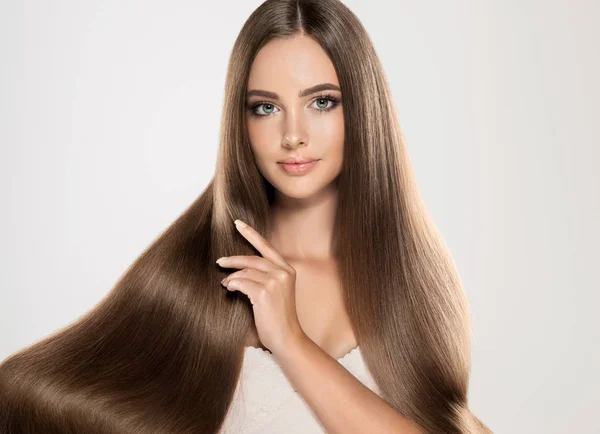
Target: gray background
<point>109,126</point>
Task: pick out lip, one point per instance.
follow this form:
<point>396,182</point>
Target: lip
<point>297,160</point>
<point>299,168</point>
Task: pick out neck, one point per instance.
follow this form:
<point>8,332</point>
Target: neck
<point>302,229</point>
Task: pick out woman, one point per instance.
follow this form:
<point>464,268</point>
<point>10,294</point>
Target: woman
<point>337,252</point>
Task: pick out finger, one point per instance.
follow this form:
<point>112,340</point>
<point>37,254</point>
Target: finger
<point>263,246</point>
<point>242,261</point>
<point>247,273</point>
<point>246,286</point>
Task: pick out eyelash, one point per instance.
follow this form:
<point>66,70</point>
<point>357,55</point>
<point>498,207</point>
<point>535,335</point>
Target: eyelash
<point>252,108</point>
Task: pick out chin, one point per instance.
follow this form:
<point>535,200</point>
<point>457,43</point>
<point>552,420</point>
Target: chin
<point>298,187</point>
<point>298,191</point>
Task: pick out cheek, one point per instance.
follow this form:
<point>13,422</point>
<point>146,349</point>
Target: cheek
<point>261,136</point>
<point>329,134</point>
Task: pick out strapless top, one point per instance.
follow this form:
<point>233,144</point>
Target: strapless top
<point>265,401</point>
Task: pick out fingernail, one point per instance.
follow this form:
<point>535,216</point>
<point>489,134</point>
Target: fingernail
<point>240,223</point>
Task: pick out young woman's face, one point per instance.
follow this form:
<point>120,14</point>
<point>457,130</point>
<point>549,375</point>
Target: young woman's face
<point>284,122</point>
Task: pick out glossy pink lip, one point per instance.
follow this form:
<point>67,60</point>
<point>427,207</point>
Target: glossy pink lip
<point>297,160</point>
<point>300,168</point>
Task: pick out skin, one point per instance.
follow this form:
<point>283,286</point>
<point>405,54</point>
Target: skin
<point>337,398</point>
<point>304,208</point>
<point>293,286</point>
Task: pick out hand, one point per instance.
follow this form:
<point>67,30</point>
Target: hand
<point>270,284</point>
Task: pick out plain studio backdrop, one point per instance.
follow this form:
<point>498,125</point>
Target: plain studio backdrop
<point>109,129</point>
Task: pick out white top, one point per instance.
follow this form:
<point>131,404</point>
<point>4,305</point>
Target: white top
<point>265,401</point>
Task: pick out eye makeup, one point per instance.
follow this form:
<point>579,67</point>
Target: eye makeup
<point>252,108</point>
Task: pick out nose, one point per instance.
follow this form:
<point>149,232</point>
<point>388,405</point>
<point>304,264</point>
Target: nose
<point>294,135</point>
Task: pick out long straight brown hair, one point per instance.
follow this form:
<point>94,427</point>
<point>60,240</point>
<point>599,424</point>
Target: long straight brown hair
<point>162,352</point>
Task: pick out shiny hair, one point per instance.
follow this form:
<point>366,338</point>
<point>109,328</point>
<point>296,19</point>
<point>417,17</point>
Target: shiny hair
<point>163,350</point>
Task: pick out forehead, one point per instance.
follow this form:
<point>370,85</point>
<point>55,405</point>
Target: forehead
<point>291,64</point>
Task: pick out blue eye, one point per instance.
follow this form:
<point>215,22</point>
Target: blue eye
<point>269,107</point>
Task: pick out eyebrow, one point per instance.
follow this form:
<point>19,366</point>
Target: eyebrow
<point>302,93</point>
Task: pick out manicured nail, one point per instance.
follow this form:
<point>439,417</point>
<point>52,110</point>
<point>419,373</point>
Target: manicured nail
<point>219,261</point>
<point>240,223</point>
